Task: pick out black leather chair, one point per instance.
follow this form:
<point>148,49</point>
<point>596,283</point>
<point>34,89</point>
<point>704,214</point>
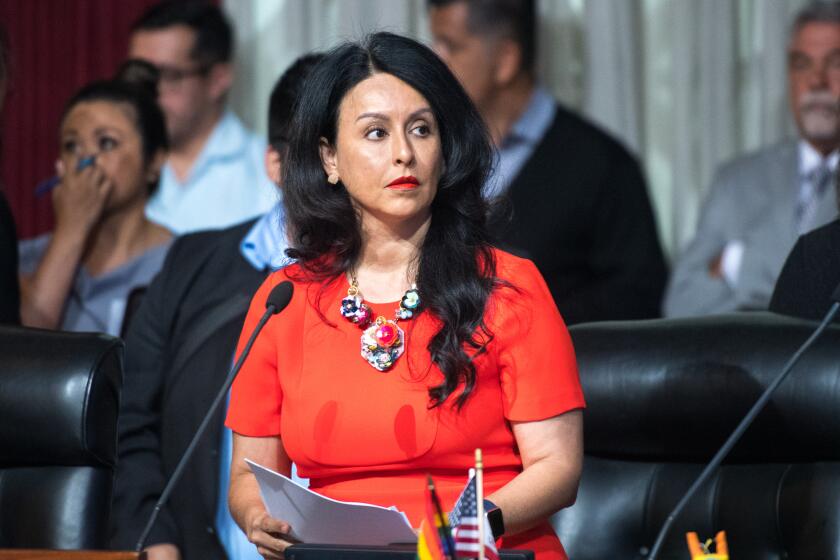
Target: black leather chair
<point>663,395</point>
<point>59,397</point>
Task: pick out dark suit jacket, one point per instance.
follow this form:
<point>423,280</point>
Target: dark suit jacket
<point>9,290</point>
<point>179,348</point>
<point>580,211</point>
<point>810,275</point>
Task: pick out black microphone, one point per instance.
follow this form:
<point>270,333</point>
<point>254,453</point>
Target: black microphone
<point>745,423</point>
<point>276,302</point>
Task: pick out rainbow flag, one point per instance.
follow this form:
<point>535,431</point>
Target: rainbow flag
<point>428,543</point>
<point>434,541</point>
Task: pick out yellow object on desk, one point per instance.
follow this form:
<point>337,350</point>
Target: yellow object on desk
<point>701,551</point>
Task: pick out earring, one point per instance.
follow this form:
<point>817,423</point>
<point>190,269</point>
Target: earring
<point>333,179</point>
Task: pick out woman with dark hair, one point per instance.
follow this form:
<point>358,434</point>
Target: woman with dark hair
<point>112,145</point>
<point>409,340</point>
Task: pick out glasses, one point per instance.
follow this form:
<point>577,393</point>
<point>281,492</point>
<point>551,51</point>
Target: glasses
<point>172,78</point>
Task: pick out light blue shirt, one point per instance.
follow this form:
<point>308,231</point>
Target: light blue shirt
<point>265,245</point>
<point>97,303</point>
<point>226,185</point>
<point>520,142</point>
<point>264,248</point>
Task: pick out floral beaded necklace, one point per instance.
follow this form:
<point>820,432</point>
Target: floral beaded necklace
<point>383,341</point>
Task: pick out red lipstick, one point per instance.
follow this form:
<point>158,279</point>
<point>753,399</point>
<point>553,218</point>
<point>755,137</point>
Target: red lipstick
<point>403,183</point>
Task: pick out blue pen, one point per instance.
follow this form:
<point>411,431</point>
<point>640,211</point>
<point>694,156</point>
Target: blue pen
<point>47,185</point>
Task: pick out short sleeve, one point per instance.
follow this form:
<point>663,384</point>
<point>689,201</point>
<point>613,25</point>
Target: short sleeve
<point>30,253</point>
<point>537,365</point>
<point>256,397</point>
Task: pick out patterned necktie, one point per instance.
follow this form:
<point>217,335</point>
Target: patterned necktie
<point>816,184</point>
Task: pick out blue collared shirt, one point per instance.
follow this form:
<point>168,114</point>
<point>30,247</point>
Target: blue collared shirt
<point>265,244</point>
<point>521,140</point>
<point>226,185</point>
<point>264,247</point>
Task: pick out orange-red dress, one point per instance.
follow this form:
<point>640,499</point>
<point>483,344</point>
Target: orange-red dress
<point>363,435</point>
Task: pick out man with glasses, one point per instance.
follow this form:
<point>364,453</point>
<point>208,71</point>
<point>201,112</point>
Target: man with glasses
<point>214,176</point>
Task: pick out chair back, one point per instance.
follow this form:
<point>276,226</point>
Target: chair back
<point>663,395</point>
<point>59,397</point>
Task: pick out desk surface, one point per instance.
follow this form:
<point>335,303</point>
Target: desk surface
<point>395,552</point>
<point>32,554</point>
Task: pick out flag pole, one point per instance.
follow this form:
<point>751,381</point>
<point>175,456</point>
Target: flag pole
<point>479,501</point>
<point>447,532</point>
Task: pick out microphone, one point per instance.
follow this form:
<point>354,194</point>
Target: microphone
<point>745,423</point>
<point>276,302</point>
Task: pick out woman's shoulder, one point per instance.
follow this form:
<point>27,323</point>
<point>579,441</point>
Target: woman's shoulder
<point>289,273</point>
<point>513,269</point>
<point>520,285</point>
<point>303,282</point>
<point>292,272</point>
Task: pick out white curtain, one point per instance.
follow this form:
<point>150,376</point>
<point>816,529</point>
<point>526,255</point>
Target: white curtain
<point>685,84</point>
<point>271,34</point>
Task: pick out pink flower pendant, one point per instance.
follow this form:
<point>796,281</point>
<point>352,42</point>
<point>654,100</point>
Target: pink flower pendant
<point>382,343</point>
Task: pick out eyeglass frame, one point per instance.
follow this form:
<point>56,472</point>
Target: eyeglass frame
<point>172,77</point>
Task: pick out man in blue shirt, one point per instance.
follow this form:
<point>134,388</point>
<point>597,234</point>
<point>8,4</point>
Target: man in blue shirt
<point>179,349</point>
<point>214,176</point>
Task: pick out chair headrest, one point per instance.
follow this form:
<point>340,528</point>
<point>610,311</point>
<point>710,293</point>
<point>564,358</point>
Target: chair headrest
<point>674,389</point>
<point>59,397</point>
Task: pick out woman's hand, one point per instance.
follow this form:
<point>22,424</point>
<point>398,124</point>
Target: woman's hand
<point>79,199</point>
<point>78,202</point>
<point>271,536</point>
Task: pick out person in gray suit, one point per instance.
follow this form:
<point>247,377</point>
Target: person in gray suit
<point>760,203</point>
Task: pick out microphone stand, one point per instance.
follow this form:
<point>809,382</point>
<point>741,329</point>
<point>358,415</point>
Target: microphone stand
<point>179,470</point>
<point>740,429</point>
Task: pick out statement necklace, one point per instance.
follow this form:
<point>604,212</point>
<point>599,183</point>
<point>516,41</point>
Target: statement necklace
<point>383,341</point>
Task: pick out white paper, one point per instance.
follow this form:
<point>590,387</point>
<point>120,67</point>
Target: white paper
<point>318,519</point>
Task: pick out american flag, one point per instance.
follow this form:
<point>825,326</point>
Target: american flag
<point>464,523</point>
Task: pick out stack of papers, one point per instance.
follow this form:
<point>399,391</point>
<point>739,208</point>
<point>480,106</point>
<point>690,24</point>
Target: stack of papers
<point>318,519</point>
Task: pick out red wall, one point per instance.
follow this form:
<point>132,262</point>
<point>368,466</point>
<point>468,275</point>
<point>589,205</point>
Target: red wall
<point>55,47</point>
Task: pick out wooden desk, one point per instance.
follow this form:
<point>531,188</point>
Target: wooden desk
<point>29,554</point>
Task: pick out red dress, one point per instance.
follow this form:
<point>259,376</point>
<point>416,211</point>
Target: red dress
<point>363,435</point>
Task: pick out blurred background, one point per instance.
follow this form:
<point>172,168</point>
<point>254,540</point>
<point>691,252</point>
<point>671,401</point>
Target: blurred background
<point>684,84</point>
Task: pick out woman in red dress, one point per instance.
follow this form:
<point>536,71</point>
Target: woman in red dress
<point>409,340</point>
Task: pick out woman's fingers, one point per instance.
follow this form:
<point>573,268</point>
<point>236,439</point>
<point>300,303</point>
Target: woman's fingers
<point>97,178</point>
<point>271,525</point>
<point>80,197</point>
<point>270,546</point>
<point>270,554</point>
<point>271,536</point>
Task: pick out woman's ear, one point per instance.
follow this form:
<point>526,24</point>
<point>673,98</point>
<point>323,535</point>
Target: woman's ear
<point>273,165</point>
<point>329,161</point>
<point>155,165</point>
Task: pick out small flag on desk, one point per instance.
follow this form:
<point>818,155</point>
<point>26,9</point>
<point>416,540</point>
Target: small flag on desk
<point>464,521</point>
<point>434,541</point>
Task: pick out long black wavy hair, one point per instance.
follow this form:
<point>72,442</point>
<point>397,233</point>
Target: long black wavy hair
<point>456,266</point>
